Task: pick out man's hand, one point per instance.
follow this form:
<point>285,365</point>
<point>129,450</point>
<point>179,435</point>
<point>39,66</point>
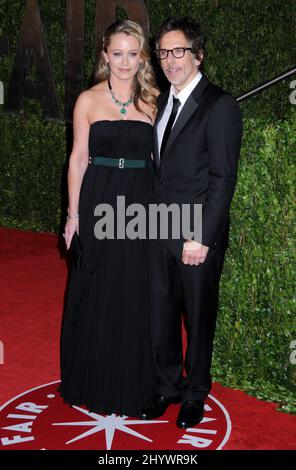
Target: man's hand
<point>194,253</point>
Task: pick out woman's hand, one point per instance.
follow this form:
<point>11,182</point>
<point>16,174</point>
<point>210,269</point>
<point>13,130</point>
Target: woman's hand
<point>72,226</point>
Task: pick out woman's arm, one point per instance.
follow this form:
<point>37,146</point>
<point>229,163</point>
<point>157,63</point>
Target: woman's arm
<point>78,163</point>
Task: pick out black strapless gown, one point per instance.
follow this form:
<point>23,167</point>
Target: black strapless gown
<point>106,356</point>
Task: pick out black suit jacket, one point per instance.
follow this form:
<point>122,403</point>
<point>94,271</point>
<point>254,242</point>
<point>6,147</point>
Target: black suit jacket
<point>199,164</point>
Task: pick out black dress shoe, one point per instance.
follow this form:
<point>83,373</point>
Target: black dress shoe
<point>190,414</point>
<point>159,407</point>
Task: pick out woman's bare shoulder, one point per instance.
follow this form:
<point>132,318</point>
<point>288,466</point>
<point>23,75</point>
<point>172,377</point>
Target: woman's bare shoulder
<point>88,94</point>
<point>89,98</point>
<point>101,87</point>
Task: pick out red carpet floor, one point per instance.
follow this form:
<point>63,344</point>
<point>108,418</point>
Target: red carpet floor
<point>33,277</point>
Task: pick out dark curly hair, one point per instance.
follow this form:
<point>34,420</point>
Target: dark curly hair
<point>191,30</point>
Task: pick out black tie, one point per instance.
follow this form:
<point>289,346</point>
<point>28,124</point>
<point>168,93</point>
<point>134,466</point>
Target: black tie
<point>176,104</point>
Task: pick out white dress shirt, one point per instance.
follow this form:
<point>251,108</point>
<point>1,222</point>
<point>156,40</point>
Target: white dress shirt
<point>183,95</point>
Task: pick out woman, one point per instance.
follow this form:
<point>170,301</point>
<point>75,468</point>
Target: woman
<point>106,361</point>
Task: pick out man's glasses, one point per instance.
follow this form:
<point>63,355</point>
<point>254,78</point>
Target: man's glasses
<point>177,52</point>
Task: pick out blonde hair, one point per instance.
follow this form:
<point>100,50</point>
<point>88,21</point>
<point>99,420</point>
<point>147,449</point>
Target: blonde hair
<point>144,83</point>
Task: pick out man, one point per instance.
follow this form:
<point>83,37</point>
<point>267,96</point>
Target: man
<point>197,143</point>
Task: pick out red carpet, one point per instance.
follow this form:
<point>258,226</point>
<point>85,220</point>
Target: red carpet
<point>33,278</point>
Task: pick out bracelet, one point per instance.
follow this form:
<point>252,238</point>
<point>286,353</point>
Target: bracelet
<point>75,216</point>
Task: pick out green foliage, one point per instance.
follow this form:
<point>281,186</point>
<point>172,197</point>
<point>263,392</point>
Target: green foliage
<point>257,305</point>
<point>32,172</point>
<point>247,42</point>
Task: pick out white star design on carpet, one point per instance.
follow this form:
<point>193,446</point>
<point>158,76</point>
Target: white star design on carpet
<point>110,424</point>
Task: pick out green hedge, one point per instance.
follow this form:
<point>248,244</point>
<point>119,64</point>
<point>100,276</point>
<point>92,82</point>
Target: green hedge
<point>247,43</point>
<point>257,314</point>
<point>33,171</point>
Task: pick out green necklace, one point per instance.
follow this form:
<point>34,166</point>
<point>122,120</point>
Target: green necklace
<point>123,105</point>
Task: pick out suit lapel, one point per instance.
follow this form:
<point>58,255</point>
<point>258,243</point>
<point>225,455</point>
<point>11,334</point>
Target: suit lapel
<point>190,106</point>
<point>161,104</point>
<point>188,109</point>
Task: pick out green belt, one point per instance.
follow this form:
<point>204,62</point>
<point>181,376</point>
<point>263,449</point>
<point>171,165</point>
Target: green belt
<point>119,162</point>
